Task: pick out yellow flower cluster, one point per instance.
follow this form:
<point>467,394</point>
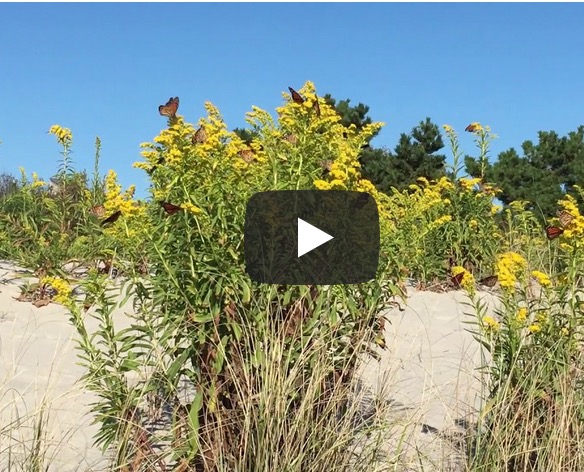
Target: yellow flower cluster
<point>521,315</point>
<point>468,280</point>
<point>491,323</point>
<point>534,328</point>
<point>496,209</point>
<point>439,222</point>
<point>63,135</point>
<point>541,278</point>
<point>116,200</point>
<point>62,288</point>
<point>188,206</point>
<point>469,184</point>
<point>36,182</point>
<point>509,266</point>
<point>574,232</point>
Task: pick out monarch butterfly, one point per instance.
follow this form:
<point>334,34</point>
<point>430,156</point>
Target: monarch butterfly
<point>316,106</point>
<point>327,166</point>
<point>489,281</point>
<point>112,218</point>
<point>473,127</point>
<point>170,108</point>
<point>98,211</point>
<point>457,280</point>
<point>200,136</point>
<point>291,138</point>
<point>553,232</point>
<point>154,167</point>
<point>296,97</point>
<point>246,155</point>
<point>169,208</point>
<point>564,217</point>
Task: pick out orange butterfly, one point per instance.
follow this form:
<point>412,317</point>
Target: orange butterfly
<point>457,280</point>
<point>565,217</point>
<point>489,281</point>
<point>553,232</point>
<point>200,136</point>
<point>296,97</point>
<point>291,138</point>
<point>98,211</point>
<point>169,208</point>
<point>327,166</point>
<point>316,106</point>
<point>473,127</point>
<point>170,108</point>
<point>246,155</point>
<point>112,218</point>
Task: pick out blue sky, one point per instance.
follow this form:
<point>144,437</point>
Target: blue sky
<point>103,69</point>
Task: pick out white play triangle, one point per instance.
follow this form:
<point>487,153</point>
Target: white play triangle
<point>310,237</point>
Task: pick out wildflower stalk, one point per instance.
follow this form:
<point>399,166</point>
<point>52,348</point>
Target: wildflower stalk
<point>483,140</point>
<point>456,153</point>
<point>96,186</point>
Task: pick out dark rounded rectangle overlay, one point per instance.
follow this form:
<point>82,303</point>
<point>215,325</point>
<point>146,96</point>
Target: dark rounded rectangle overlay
<point>271,237</point>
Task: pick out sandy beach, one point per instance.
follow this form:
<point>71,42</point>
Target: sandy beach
<point>427,373</point>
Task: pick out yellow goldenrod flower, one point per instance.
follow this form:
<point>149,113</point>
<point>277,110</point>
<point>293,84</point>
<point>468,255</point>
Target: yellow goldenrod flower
<point>322,185</point>
<point>496,209</point>
<point>509,266</point>
<point>468,184</point>
<point>468,280</point>
<point>491,323</point>
<point>521,314</point>
<point>541,278</point>
<point>534,328</point>
<point>63,135</point>
<point>188,206</point>
<point>62,288</point>
<point>542,317</point>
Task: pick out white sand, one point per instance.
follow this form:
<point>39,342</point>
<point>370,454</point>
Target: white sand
<point>428,368</point>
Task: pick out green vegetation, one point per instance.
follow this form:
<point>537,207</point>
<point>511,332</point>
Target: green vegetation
<point>269,370</point>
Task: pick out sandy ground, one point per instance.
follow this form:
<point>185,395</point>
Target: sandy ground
<point>427,372</point>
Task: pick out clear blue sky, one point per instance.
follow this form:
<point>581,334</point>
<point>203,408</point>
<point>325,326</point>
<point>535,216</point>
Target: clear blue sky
<point>103,69</point>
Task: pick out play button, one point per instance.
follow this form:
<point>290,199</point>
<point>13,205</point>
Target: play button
<point>310,237</point>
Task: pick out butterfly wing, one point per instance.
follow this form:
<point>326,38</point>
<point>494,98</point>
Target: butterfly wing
<point>565,217</point>
<point>457,280</point>
<point>316,106</point>
<point>246,155</point>
<point>98,211</point>
<point>112,218</point>
<point>170,108</point>
<point>169,208</point>
<point>291,138</point>
<point>296,97</point>
<point>489,281</point>
<point>200,136</point>
<point>552,232</point>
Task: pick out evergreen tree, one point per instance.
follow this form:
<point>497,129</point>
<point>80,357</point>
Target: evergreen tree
<point>542,175</point>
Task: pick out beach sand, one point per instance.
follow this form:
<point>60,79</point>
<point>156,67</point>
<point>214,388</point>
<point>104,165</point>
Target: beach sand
<point>427,372</point>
